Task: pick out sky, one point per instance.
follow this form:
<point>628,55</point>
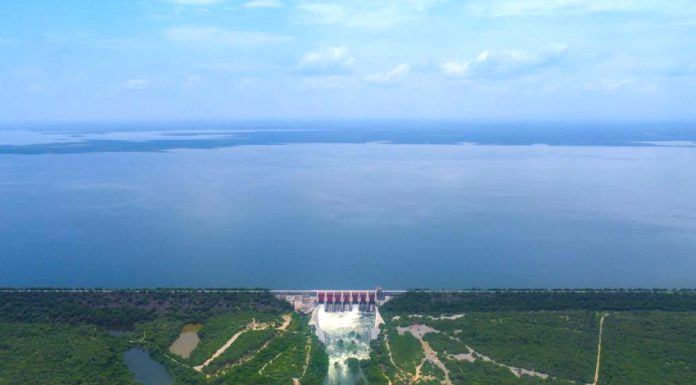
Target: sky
<point>502,60</point>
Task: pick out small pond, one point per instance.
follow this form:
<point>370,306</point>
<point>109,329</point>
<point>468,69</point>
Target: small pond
<point>146,370</point>
<point>187,341</point>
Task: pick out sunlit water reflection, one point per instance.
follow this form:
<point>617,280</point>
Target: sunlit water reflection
<point>438,216</point>
<point>347,336</point>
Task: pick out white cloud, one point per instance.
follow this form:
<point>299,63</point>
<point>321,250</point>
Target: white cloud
<point>321,13</point>
<point>220,36</point>
<point>423,5</point>
<point>328,60</point>
<point>454,68</point>
<point>372,15</point>
<point>136,84</point>
<point>392,76</point>
<point>555,7</point>
<point>263,4</point>
<point>492,64</point>
<point>189,33</point>
<point>609,85</point>
<point>331,81</point>
<point>119,43</point>
<point>197,2</point>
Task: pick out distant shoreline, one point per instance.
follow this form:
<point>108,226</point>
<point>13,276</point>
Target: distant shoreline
<point>291,291</point>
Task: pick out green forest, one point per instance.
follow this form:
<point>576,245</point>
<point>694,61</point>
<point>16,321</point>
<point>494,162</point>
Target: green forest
<point>59,337</point>
<point>502,337</point>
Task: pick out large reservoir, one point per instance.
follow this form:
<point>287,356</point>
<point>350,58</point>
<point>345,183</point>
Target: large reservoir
<point>309,215</point>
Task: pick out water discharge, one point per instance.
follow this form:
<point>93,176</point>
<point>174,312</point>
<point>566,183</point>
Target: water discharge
<point>346,336</point>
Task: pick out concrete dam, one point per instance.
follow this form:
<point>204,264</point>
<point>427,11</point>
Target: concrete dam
<point>345,321</point>
<point>320,302</point>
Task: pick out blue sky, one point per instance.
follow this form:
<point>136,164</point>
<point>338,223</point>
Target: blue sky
<point>290,59</point>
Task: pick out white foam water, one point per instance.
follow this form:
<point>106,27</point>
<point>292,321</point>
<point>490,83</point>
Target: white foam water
<point>347,335</point>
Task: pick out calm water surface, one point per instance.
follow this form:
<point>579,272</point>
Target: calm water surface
<point>351,215</point>
<point>146,370</point>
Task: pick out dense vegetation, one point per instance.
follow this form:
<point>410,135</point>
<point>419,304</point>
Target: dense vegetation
<point>283,359</point>
<point>217,330</point>
<point>60,337</point>
<point>405,349</point>
<point>561,344</point>
<point>649,348</point>
<point>245,345</point>
<point>124,308</point>
<point>542,337</point>
<point>268,356</point>
<point>423,302</point>
<point>485,373</point>
<point>47,354</point>
<point>378,369</point>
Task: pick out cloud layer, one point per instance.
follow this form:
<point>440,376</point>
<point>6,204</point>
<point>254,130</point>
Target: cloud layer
<point>329,60</point>
<point>503,64</point>
<point>444,59</point>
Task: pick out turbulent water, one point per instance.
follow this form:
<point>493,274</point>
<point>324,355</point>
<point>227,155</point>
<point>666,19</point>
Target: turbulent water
<point>347,335</point>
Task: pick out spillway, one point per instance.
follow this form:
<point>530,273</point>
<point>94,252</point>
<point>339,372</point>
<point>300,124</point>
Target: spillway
<point>346,335</point>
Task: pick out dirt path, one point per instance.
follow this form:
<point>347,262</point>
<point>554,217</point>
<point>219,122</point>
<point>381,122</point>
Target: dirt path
<point>431,356</point>
<point>253,325</point>
<point>389,352</point>
<point>308,353</point>
<point>419,331</point>
<point>286,322</point>
<point>268,363</point>
<point>473,355</point>
<point>599,348</point>
<point>221,350</point>
<point>417,377</point>
<point>441,317</point>
<point>391,358</point>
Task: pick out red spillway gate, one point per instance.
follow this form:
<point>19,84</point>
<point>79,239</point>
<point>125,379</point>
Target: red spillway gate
<point>341,300</point>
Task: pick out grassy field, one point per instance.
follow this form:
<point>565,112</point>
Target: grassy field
<point>483,373</point>
<point>248,343</point>
<point>217,330</point>
<point>405,350</point>
<point>282,360</point>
